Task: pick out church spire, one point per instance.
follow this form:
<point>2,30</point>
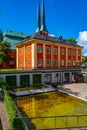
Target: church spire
<point>43,24</point>
<point>38,18</point>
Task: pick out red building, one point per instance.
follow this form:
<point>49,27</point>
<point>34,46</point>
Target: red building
<point>12,37</point>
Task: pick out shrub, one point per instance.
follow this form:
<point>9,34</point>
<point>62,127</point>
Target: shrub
<point>1,81</point>
<point>12,113</point>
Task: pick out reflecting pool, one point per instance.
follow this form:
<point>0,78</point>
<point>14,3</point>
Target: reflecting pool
<point>51,104</point>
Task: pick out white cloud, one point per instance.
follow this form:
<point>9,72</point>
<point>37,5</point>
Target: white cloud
<point>82,41</point>
<point>51,35</point>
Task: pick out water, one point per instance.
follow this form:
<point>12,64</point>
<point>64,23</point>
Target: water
<point>51,104</point>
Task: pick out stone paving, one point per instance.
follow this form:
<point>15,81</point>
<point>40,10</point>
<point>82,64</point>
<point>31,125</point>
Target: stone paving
<point>78,90</point>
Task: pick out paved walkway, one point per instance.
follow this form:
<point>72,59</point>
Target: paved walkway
<point>4,125</point>
<point>78,90</point>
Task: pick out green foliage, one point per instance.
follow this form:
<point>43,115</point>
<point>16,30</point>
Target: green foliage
<point>24,79</point>
<point>12,113</point>
<point>72,40</point>
<point>11,80</point>
<point>37,79</point>
<point>3,85</point>
<point>5,55</point>
<point>1,81</point>
<point>84,59</point>
<point>1,36</point>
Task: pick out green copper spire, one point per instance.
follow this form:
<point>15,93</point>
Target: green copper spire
<point>43,25</point>
<point>38,18</point>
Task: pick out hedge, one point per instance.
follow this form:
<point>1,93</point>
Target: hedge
<point>16,124</point>
<point>1,81</point>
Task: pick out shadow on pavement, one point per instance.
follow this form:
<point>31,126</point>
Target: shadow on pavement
<point>1,125</point>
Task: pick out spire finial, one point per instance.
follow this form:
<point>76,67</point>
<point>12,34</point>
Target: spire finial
<point>38,18</point>
<point>43,24</point>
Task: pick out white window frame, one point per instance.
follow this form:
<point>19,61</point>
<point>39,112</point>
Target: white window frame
<point>74,63</point>
<point>55,62</point>
<point>62,62</point>
<point>55,50</point>
<point>69,63</point>
<point>62,51</point>
<point>48,50</point>
<point>40,62</point>
<point>39,49</point>
<point>20,50</point>
<point>20,62</point>
<point>79,53</point>
<point>28,62</point>
<point>74,52</point>
<point>48,62</point>
<point>29,50</point>
<point>69,52</point>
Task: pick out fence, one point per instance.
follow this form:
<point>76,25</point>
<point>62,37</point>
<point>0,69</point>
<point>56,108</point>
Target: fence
<point>55,122</point>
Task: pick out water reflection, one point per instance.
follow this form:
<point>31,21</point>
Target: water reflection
<point>51,104</point>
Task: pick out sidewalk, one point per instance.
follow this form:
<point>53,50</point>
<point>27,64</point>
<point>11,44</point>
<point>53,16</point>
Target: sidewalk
<point>4,125</point>
<point>78,90</point>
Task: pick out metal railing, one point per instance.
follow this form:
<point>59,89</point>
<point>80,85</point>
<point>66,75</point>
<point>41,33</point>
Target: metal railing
<point>55,122</point>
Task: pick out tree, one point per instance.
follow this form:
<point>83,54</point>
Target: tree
<point>84,59</point>
<point>1,36</point>
<point>72,40</point>
<point>5,52</point>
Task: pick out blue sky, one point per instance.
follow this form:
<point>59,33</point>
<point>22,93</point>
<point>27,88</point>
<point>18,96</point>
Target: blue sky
<point>63,17</point>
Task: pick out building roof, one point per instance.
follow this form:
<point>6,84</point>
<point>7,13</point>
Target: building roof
<point>50,38</point>
<point>15,34</point>
<point>14,37</point>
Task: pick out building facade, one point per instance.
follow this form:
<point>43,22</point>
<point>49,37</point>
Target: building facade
<point>56,59</point>
<point>13,38</point>
<point>46,54</point>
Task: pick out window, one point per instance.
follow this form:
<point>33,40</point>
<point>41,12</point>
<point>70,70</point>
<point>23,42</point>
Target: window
<point>79,53</point>
<point>28,49</point>
<point>20,50</point>
<point>74,63</point>
<point>28,62</point>
<point>55,62</point>
<point>69,52</point>
<point>78,63</point>
<point>69,63</point>
<point>48,49</point>
<point>39,49</point>
<point>48,62</point>
<point>62,51</point>
<point>62,62</point>
<point>55,50</point>
<point>74,52</point>
<point>39,62</point>
<point>20,62</point>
